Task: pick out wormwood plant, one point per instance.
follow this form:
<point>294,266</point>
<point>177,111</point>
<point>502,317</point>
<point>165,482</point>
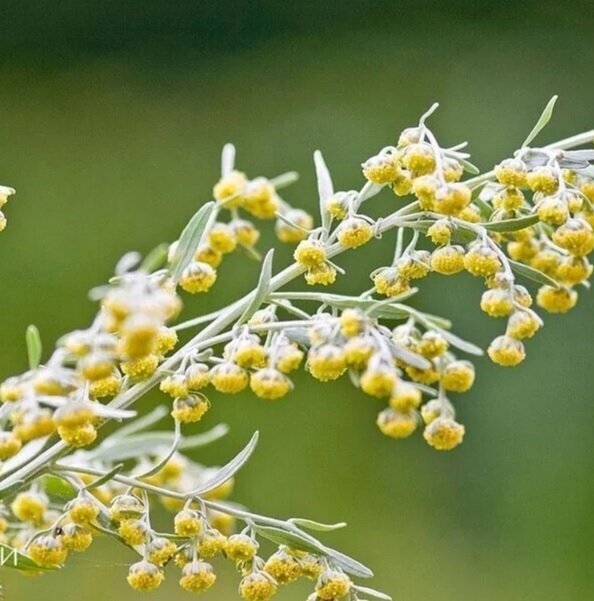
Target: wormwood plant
<point>531,218</point>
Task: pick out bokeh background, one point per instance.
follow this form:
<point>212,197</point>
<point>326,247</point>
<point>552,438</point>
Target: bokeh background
<point>112,116</point>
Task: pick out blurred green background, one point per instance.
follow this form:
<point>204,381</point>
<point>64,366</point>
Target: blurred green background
<point>112,116</point>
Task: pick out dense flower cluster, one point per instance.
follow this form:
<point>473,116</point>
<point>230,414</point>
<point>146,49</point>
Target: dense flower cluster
<point>530,217</point>
<point>5,193</point>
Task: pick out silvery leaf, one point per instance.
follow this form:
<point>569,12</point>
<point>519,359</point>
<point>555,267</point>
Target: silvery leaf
<point>34,347</point>
<point>227,159</point>
<point>262,289</point>
<point>542,121</point>
<point>325,188</point>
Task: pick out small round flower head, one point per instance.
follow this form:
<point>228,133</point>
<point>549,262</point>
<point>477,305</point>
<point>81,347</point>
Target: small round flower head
<point>139,335</point>
<point>125,507</point>
<point>30,506</point>
<point>379,379</point>
<point>37,424</point>
<point>522,251</point>
<point>166,340</point>
<point>440,232</point>
<point>289,234</point>
<point>78,436</point>
<point>480,260</point>
<point>448,260</point>
<point>358,351</point>
<point>47,551</point>
<point>207,254</point>
<point>260,198</point>
<point>288,358</point>
<point>76,537</point>
<point>74,413</point>
<point>311,566</point>
<point>428,376</point>
<point>575,202</point>
<point>82,510</point>
<point>506,351</point>
<point>354,232</point>
<point>241,547</point>
<point>444,434</point>
<point>96,366</point>
<point>509,199</point>
<point>188,523</point>
<point>381,168</point>
<point>221,238</point>
<point>211,543</point>
<point>388,282</point>
<point>197,376</point>
<point>190,409</point>
<point>228,378</point>
<point>352,322</point>
<point>10,445</point>
<point>556,300</point>
<point>471,214</point>
<point>543,179</point>
<point>576,236</point>
<point>324,274</point>
<point>106,387</point>
<point>552,210</point>
<point>145,576</point>
<point>246,352</point>
<point>142,368</point>
<point>197,577</point>
<point>229,188</point>
<point>419,159</point>
<point>183,556</point>
<point>410,135</point>
<point>11,390</point>
<point>5,193</point>
<point>425,189</point>
<point>246,233</point>
<point>174,385</point>
<point>160,550</point>
<point>283,567</point>
<point>431,410</point>
<point>458,376</point>
<point>396,424</point>
<point>338,204</point>
<point>452,170</point>
<point>333,585</point>
<point>269,383</point>
<point>432,344</point>
<point>523,324</point>
<point>198,277</point>
<point>573,271</point>
<point>310,253</point>
<point>414,265</point>
<point>546,260</point>
<point>402,183</point>
<point>511,172</point>
<point>522,297</point>
<point>452,198</point>
<point>405,397</point>
<point>497,302</point>
<point>326,362</point>
<point>587,189</point>
<point>257,586</point>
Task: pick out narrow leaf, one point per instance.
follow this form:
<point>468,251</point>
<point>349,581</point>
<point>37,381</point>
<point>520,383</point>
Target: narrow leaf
<point>284,179</point>
<point>511,225</point>
<point>12,558</point>
<point>372,592</point>
<point>532,274</point>
<point>468,166</point>
<point>190,239</point>
<point>228,470</point>
<point>227,159</point>
<point>291,539</point>
<point>206,438</point>
<point>348,564</point>
<point>318,526</point>
<point>155,259</point>
<point>106,477</point>
<point>542,121</point>
<point>262,289</point>
<point>55,486</point>
<point>34,347</point>
<point>325,187</point>
<point>142,423</point>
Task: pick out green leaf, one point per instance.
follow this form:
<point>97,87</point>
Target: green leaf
<point>34,347</point>
<point>263,288</point>
<point>58,487</point>
<point>468,166</point>
<point>318,526</point>
<point>510,225</point>
<point>532,274</point>
<point>155,259</point>
<point>108,476</point>
<point>542,121</point>
<point>291,539</point>
<point>190,239</point>
<point>11,558</point>
<point>228,470</point>
<point>348,564</point>
<point>325,187</point>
